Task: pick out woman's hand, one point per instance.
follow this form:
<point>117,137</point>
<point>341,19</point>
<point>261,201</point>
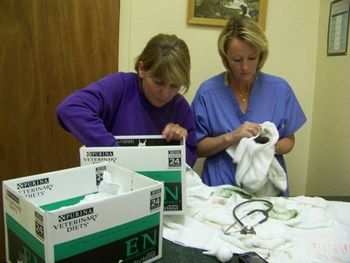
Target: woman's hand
<point>209,146</point>
<point>174,131</point>
<point>247,129</point>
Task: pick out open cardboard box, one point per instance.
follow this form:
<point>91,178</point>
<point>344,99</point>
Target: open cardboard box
<point>46,222</point>
<point>151,156</point>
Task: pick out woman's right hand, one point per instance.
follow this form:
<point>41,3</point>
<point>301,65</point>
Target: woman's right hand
<point>209,146</point>
<point>247,129</point>
<point>174,131</point>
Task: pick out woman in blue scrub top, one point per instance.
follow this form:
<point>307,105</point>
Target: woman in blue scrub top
<point>231,105</point>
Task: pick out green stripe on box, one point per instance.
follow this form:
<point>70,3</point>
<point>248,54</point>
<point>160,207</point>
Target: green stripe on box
<point>62,203</point>
<point>98,239</point>
<point>26,236</point>
<point>164,176</point>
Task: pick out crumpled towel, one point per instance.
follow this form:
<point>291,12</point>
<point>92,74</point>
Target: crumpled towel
<point>318,232</point>
<point>258,171</point>
<point>108,187</point>
<point>302,212</point>
<point>187,231</point>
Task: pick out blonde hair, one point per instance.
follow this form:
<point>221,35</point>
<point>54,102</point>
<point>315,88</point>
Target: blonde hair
<point>246,29</point>
<point>166,57</point>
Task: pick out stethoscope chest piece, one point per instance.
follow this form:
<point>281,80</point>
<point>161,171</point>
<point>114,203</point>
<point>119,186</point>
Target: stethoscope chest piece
<point>248,230</point>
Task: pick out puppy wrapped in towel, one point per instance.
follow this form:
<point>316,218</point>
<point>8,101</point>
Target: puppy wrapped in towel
<point>258,171</point>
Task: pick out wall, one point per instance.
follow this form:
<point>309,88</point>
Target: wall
<point>291,27</point>
<point>293,50</point>
<point>329,171</point>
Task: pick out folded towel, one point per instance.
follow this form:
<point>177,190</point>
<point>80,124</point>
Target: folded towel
<point>258,171</point>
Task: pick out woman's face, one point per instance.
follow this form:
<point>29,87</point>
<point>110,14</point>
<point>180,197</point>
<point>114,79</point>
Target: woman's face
<point>159,92</point>
<point>243,60</point>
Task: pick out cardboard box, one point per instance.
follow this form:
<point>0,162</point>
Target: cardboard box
<point>151,156</point>
<point>46,222</point>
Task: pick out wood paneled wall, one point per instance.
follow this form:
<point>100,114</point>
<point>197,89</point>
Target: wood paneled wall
<point>48,49</point>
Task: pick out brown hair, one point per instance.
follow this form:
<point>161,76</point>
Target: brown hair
<point>166,57</point>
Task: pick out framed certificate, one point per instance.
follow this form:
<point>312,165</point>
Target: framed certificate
<point>338,28</point>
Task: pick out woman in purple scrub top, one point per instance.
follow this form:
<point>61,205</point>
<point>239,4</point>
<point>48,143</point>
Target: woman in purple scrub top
<point>145,102</point>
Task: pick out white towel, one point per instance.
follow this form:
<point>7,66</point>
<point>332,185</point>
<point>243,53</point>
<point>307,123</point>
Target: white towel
<point>108,187</point>
<point>318,232</point>
<point>258,171</point>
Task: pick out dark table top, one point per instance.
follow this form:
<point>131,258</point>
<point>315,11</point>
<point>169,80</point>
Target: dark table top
<point>179,254</point>
<point>337,198</point>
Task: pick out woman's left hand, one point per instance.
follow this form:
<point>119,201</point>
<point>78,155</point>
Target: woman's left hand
<point>174,132</point>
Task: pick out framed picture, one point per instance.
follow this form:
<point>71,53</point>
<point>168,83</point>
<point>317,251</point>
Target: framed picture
<point>338,28</point>
<point>218,12</point>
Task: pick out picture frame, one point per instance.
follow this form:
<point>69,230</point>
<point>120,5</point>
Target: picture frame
<point>217,12</point>
<point>338,28</point>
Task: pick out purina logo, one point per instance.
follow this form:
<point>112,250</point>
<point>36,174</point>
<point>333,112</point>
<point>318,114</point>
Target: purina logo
<point>99,154</point>
<point>32,183</point>
<point>76,220</point>
<point>76,214</point>
<point>35,188</point>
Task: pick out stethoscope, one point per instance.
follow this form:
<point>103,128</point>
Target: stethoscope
<point>246,229</point>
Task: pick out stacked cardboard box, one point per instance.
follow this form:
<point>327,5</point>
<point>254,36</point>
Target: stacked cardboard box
<point>151,156</point>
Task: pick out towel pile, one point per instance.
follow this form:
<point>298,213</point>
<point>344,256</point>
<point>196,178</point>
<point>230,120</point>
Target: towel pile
<point>299,229</point>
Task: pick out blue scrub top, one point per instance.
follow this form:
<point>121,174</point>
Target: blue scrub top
<point>217,112</point>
